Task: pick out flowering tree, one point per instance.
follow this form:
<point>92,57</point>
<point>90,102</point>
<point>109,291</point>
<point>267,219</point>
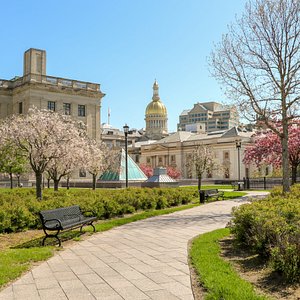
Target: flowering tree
<point>147,170</point>
<point>39,136</point>
<point>12,162</point>
<point>99,158</point>
<point>201,160</point>
<point>69,158</point>
<point>267,149</point>
<point>173,172</point>
<point>258,62</point>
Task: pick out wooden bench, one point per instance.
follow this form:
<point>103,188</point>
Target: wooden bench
<point>213,193</point>
<point>64,218</point>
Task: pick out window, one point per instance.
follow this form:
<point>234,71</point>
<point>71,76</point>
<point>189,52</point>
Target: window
<point>173,159</point>
<point>82,173</point>
<point>51,105</point>
<point>148,160</point>
<point>20,107</point>
<point>81,110</point>
<point>67,109</point>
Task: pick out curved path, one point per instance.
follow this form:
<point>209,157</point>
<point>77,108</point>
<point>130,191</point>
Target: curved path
<point>141,260</point>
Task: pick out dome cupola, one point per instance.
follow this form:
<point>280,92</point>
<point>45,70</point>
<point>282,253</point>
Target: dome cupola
<point>156,116</point>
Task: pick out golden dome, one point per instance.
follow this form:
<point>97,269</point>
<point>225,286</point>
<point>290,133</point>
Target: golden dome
<point>156,107</point>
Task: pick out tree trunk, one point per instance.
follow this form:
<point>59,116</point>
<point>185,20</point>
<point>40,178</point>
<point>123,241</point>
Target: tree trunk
<point>199,183</point>
<point>11,180</point>
<point>48,183</point>
<point>294,174</point>
<point>68,183</point>
<point>18,178</point>
<point>94,181</point>
<point>38,182</point>
<point>56,182</point>
<point>285,157</point>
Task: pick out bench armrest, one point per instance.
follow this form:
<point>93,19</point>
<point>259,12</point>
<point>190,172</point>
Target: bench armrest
<point>89,212</point>
<point>48,220</point>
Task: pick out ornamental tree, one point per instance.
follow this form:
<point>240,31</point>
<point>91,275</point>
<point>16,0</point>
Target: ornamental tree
<point>39,136</point>
<point>69,158</point>
<point>173,172</point>
<point>12,162</point>
<point>258,63</point>
<point>267,149</point>
<point>201,160</point>
<point>147,170</point>
<point>99,158</point>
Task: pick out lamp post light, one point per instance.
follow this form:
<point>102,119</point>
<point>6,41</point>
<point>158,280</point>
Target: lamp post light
<point>126,129</point>
<point>238,145</point>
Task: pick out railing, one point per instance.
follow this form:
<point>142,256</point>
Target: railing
<point>263,183</point>
<point>55,81</point>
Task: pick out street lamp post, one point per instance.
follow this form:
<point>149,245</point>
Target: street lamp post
<point>238,145</point>
<point>126,129</point>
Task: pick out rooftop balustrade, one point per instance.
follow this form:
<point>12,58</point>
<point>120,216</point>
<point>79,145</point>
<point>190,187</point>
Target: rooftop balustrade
<point>49,80</point>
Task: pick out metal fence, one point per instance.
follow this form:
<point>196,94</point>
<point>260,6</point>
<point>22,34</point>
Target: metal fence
<point>263,183</point>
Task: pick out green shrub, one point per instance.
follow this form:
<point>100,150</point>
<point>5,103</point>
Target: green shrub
<point>19,209</point>
<point>271,227</point>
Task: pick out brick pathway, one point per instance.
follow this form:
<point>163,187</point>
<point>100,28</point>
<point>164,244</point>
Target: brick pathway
<point>142,260</point>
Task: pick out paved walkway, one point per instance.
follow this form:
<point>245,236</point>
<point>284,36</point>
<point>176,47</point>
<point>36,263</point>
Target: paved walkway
<point>142,260</point>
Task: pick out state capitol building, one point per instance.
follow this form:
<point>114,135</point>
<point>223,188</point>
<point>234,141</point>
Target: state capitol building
<point>208,123</point>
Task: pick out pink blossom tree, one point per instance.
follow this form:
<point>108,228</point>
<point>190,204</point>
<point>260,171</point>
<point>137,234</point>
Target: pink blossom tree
<point>173,172</point>
<point>39,135</point>
<point>267,149</point>
<point>147,170</point>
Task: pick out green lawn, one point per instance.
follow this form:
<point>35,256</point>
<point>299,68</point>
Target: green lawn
<point>217,276</point>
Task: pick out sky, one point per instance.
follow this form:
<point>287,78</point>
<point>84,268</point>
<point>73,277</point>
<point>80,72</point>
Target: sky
<point>124,45</point>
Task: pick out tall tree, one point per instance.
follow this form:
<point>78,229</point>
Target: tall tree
<point>12,162</point>
<point>201,160</point>
<point>258,62</point>
<point>38,135</point>
<point>267,149</point>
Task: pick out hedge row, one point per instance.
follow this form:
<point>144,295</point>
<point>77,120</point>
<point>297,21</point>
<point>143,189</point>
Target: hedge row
<point>19,208</point>
<point>271,227</point>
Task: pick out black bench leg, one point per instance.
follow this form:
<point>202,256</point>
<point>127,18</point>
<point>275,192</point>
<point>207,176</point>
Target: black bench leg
<point>52,235</point>
<point>94,229</point>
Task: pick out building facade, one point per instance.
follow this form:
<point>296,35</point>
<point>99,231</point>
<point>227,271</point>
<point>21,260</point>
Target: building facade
<point>79,99</point>
<point>208,117</point>
<point>175,149</point>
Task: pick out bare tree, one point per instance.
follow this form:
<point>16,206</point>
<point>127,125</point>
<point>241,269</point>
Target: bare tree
<point>201,160</point>
<point>258,62</point>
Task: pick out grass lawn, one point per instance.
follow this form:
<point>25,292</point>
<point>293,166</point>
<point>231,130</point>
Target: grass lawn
<point>219,279</point>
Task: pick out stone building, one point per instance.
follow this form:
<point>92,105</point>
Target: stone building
<point>174,150</point>
<point>81,100</point>
<point>208,117</point>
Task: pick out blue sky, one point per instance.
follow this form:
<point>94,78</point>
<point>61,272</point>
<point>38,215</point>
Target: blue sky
<point>123,45</point>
